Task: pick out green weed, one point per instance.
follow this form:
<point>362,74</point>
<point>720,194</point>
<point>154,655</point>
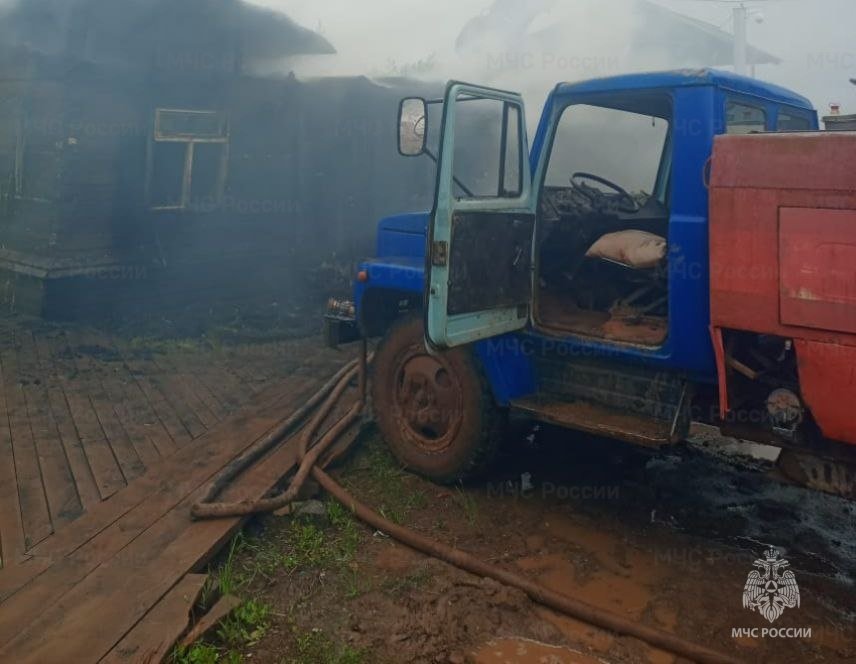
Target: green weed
<point>467,502</point>
<point>315,647</point>
<point>307,546</point>
<point>198,653</point>
<point>388,486</point>
<point>246,626</point>
<point>228,579</point>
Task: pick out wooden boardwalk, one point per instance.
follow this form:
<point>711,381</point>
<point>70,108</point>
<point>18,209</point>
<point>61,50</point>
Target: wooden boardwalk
<point>105,448</point>
<point>82,415</point>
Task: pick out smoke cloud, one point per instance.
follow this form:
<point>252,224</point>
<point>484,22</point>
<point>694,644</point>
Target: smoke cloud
<point>132,31</point>
<point>813,40</point>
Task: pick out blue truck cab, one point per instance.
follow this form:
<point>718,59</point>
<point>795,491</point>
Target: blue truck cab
<point>569,282</point>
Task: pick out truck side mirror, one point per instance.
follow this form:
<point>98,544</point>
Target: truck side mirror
<point>412,126</point>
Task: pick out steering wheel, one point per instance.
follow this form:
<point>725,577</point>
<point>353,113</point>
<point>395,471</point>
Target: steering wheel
<point>627,203</point>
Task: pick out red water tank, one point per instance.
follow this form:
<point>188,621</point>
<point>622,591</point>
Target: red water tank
<point>783,258</point>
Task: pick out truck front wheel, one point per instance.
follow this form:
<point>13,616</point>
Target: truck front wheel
<point>435,411</point>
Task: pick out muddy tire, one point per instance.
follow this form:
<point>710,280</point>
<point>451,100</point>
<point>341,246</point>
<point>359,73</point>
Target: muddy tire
<point>435,411</point>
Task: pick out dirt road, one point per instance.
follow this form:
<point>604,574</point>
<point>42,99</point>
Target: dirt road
<point>667,539</point>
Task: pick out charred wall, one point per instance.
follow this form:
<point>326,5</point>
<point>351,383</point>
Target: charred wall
<point>307,169</point>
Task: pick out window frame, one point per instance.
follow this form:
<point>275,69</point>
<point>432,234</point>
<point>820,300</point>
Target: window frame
<point>663,180</point>
<point>19,182</point>
<point>503,155</point>
<point>792,114</point>
<point>501,192</point>
<point>746,103</point>
<point>190,141</point>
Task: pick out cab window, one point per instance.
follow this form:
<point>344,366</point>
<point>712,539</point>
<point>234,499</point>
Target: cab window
<point>744,118</point>
<point>791,122</point>
<point>624,147</point>
<point>488,156</point>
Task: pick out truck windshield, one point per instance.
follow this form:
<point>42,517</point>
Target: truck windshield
<point>622,147</point>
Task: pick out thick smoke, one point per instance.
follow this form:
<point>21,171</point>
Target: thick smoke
<point>525,46</point>
<point>134,30</point>
<point>813,40</point>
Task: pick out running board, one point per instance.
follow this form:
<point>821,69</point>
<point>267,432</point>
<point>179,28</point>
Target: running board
<point>601,421</point>
<point>830,476</point>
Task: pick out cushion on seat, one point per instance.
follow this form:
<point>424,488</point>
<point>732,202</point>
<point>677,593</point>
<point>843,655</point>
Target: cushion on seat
<point>638,250</point>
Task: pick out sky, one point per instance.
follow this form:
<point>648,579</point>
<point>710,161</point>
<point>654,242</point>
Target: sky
<point>814,38</point>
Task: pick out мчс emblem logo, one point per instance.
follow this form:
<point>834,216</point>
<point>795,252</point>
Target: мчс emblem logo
<point>771,588</point>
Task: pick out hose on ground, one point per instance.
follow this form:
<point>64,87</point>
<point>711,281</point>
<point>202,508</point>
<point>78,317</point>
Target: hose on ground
<point>536,592</point>
<point>310,454</point>
<point>206,508</point>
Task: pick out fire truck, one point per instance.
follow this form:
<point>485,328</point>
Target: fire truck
<point>675,248</point>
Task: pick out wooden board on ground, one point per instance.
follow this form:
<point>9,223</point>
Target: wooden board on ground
<point>152,639</point>
<point>35,515</point>
<point>11,525</point>
<point>109,582</point>
<point>84,480</point>
<point>60,490</point>
<point>65,559</point>
<point>99,455</point>
<point>112,599</point>
<point>219,612</point>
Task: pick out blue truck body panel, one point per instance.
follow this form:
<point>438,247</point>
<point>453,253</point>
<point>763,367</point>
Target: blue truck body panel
<point>698,100</point>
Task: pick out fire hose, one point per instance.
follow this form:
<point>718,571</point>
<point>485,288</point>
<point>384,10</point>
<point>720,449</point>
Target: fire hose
<point>310,453</point>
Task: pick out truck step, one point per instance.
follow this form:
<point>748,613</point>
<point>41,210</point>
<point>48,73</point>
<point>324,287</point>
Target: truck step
<point>600,420</point>
<point>622,387</point>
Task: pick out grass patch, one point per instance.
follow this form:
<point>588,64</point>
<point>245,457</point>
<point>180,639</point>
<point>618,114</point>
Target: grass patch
<point>308,546</point>
<point>315,647</point>
<point>198,653</point>
<point>246,626</point>
<point>347,530</point>
<point>385,484</point>
<point>468,505</point>
<point>229,580</point>
<point>303,544</point>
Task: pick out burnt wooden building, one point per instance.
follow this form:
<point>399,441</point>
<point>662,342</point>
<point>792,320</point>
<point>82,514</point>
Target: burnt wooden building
<point>144,165</point>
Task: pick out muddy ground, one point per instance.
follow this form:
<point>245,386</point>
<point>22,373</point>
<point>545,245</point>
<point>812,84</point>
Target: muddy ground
<point>667,539</point>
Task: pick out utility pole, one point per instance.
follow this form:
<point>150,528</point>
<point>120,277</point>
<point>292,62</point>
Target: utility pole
<point>741,48</point>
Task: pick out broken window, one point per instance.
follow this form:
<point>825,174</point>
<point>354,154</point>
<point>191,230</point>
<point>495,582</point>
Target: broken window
<point>745,119</point>
<point>188,159</point>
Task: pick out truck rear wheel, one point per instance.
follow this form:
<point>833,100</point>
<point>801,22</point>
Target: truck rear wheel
<point>435,411</point>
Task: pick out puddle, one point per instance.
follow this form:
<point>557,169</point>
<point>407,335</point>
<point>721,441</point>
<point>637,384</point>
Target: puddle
<point>622,594</point>
<point>524,651</point>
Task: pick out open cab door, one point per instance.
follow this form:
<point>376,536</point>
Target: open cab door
<point>481,235</point>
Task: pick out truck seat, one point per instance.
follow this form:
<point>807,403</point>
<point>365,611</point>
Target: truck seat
<point>637,250</point>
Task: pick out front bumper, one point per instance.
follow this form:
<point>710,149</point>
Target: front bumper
<point>340,323</point>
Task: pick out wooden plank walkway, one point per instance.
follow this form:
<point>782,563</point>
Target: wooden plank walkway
<point>83,414</point>
<point>92,589</point>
